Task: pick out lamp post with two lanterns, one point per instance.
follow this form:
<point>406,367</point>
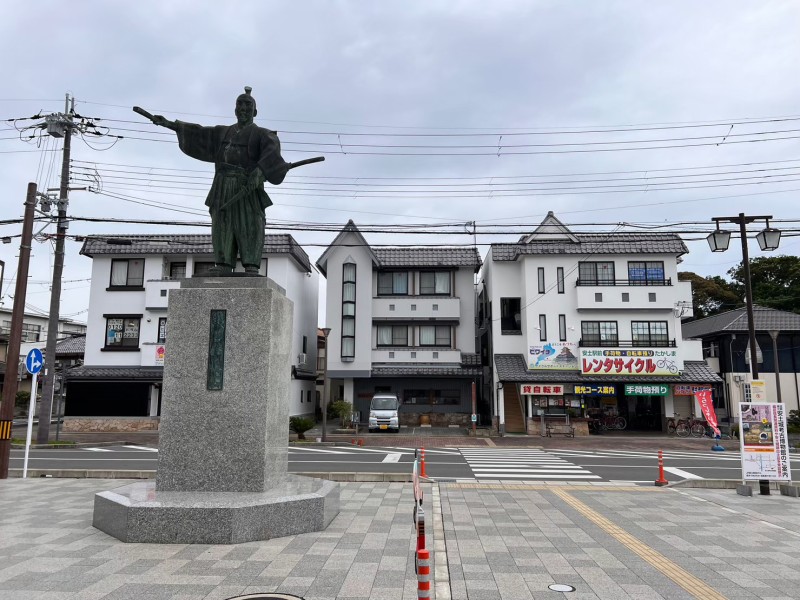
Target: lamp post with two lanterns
<point>768,239</point>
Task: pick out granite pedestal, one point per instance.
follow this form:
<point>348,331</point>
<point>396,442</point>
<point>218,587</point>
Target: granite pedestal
<point>222,464</point>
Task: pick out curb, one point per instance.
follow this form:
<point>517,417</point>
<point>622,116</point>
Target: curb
<point>144,474</point>
<point>722,484</point>
<point>75,445</point>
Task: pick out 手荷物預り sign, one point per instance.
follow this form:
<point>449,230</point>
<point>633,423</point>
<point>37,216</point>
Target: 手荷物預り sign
<point>644,389</point>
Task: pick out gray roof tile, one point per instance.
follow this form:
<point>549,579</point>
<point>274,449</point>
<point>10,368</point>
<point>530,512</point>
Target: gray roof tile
<point>116,373</point>
<point>409,371</point>
<point>512,368</point>
<point>735,321</point>
<point>140,244</point>
<point>428,257</point>
<point>595,243</point>
<point>72,345</point>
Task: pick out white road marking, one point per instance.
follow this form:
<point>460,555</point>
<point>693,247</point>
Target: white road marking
<point>393,457</point>
<point>318,450</point>
<point>145,448</point>
<point>97,449</point>
<point>682,473</point>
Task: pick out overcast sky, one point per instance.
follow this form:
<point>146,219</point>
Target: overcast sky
<point>540,74</point>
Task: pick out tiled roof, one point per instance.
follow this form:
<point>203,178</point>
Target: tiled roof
<point>512,368</point>
<point>139,244</point>
<point>595,243</point>
<point>72,345</point>
<point>470,360</point>
<point>734,321</point>
<point>426,371</point>
<point>85,373</point>
<point>428,257</point>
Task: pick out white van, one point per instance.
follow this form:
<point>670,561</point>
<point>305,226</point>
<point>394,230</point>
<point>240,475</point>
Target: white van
<point>383,413</point>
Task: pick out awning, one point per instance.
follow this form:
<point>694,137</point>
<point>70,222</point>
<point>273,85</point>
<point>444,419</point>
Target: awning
<point>512,368</point>
<point>100,374</point>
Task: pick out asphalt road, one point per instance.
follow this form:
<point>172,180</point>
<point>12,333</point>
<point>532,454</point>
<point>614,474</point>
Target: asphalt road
<point>511,464</point>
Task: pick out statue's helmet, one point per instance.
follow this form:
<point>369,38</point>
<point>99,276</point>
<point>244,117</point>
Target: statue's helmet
<point>247,95</point>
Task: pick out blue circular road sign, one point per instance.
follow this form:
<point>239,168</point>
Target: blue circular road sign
<point>34,361</point>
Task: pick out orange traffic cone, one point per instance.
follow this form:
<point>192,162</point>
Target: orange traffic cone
<point>422,472</point>
<point>661,479</point>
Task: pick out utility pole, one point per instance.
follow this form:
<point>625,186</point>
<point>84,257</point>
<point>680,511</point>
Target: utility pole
<point>15,335</point>
<point>46,408</point>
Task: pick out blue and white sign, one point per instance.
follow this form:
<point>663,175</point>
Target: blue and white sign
<point>34,361</point>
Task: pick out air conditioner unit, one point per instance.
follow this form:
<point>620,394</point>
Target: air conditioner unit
<point>738,378</point>
<point>301,358</point>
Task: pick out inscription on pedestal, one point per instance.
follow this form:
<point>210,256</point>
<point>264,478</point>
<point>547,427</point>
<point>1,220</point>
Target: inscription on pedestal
<point>216,350</point>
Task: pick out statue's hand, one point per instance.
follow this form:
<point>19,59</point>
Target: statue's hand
<point>163,122</point>
<point>256,179</point>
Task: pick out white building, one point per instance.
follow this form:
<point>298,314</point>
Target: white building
<point>402,320</point>
<point>34,335</point>
<point>587,324</point>
<point>127,341</point>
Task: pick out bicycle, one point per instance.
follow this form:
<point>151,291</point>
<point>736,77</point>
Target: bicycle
<point>678,426</point>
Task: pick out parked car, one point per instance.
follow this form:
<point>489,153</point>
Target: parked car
<point>384,413</point>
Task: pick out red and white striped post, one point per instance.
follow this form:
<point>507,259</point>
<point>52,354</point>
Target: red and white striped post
<point>424,574</point>
<point>661,479</point>
<point>422,472</point>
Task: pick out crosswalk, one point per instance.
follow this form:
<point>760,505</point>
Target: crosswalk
<point>522,464</point>
<point>728,455</point>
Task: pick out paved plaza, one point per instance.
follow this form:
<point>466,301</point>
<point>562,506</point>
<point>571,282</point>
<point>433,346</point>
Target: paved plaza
<point>490,541</point>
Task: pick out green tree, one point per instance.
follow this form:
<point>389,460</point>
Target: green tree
<point>775,281</point>
<point>710,295</point>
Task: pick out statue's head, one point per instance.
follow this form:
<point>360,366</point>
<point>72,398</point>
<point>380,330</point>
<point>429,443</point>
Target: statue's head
<point>245,107</point>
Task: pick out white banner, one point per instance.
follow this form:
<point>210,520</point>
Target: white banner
<point>764,443</point>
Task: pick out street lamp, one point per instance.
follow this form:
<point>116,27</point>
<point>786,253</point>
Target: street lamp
<point>325,332</point>
<point>767,240</point>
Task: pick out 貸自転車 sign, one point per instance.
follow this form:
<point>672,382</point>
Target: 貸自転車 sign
<point>541,389</point>
<point>688,389</point>
<point>653,389</point>
<point>624,361</point>
<point>595,390</point>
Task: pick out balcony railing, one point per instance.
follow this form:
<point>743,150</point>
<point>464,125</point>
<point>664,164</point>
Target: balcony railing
<point>632,282</point>
<point>594,343</point>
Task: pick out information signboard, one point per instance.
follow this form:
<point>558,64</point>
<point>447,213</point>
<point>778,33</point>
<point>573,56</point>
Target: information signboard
<point>764,443</point>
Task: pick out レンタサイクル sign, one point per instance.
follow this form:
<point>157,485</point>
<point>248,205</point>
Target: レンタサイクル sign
<point>624,361</point>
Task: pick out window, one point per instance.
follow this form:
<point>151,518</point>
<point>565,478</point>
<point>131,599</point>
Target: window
<point>203,269</point>
<point>649,333</point>
<point>599,333</point>
<point>510,317</point>
<point>562,328</point>
<point>434,335</point>
<point>596,273</point>
<point>428,396</point>
<point>598,297</point>
<point>434,283</point>
<point>122,332</point>
<point>305,344</point>
<point>646,272</point>
<point>651,296</point>
<point>393,283</point>
<point>177,270</point>
<point>30,333</point>
<point>127,272</point>
<point>392,335</point>
<point>162,330</point>
<point>540,277</point>
<point>348,350</point>
<point>542,328</point>
<point>626,297</point>
<point>560,278</point>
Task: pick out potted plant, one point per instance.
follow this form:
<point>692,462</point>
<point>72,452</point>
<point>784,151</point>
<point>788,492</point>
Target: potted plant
<point>300,425</point>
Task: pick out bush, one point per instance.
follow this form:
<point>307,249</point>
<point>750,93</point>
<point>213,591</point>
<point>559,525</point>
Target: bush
<point>341,409</point>
<point>300,425</point>
<point>23,398</point>
<point>793,421</point>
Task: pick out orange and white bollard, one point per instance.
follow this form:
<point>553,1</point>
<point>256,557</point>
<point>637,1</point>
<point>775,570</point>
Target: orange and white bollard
<point>360,442</point>
<point>422,463</point>
<point>661,479</point>
<point>423,574</point>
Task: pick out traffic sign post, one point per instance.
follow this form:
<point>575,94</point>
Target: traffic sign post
<point>33,364</point>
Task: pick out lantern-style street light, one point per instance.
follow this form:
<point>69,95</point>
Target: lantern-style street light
<point>767,240</point>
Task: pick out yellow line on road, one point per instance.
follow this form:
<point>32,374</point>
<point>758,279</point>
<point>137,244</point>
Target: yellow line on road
<point>680,576</point>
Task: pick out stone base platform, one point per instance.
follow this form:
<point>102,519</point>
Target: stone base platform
<point>138,513</point>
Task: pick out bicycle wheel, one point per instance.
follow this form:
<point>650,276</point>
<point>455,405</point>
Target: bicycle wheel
<point>621,423</point>
<point>670,427</point>
<point>698,430</point>
<point>682,430</point>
